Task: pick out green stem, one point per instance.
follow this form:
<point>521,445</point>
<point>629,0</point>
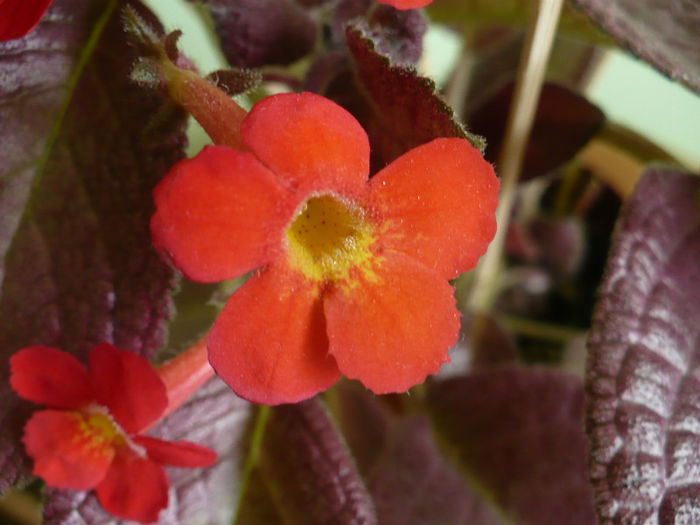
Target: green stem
<point>253,452</point>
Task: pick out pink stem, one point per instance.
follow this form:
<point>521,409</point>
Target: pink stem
<point>184,374</point>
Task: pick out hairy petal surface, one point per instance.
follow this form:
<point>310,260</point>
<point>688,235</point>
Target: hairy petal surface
<point>128,386</point>
<point>437,203</point>
<point>220,214</point>
<point>135,488</point>
<point>309,140</point>
<point>391,328</point>
<point>49,376</point>
<point>179,453</point>
<point>67,455</point>
<point>269,343</point>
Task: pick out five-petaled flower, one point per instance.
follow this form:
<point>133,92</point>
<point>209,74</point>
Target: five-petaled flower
<point>352,272</point>
<point>92,436</point>
<point>19,17</point>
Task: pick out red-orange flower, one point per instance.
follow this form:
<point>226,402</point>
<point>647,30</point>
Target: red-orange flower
<point>19,17</point>
<point>352,272</point>
<point>406,4</point>
<point>91,437</point>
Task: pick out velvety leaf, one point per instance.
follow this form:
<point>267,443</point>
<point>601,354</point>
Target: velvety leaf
<point>304,473</point>
<point>78,268</point>
<point>662,32</point>
<point>410,482</point>
<point>401,109</point>
<point>643,402</point>
<point>564,122</point>
<point>518,432</point>
<point>213,417</point>
<point>255,33</point>
<point>396,34</point>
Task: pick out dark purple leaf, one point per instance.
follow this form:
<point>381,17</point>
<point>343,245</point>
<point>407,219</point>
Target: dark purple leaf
<point>662,32</point>
<point>305,473</point>
<point>643,386</point>
<point>519,433</point>
<point>255,33</point>
<point>399,109</point>
<point>396,34</point>
<point>561,244</point>
<point>564,122</point>
<point>410,482</point>
<point>79,267</point>
<point>213,417</point>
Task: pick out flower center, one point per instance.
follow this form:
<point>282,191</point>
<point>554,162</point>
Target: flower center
<point>100,429</point>
<point>328,237</point>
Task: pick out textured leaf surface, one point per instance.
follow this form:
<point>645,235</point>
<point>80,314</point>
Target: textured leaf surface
<point>304,474</point>
<point>662,32</point>
<point>519,433</point>
<point>564,122</point>
<point>255,33</point>
<point>410,482</point>
<point>643,386</point>
<point>213,417</point>
<point>398,108</point>
<point>396,34</point>
<point>76,191</point>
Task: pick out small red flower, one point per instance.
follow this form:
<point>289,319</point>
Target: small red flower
<point>19,17</point>
<point>353,272</point>
<point>406,4</point>
<point>92,436</point>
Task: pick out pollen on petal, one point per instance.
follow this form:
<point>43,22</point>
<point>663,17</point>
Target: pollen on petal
<point>269,343</point>
<point>68,452</point>
<point>392,328</point>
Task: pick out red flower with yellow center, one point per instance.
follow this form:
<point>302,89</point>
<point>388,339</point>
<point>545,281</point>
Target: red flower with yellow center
<point>92,436</point>
<point>352,273</point>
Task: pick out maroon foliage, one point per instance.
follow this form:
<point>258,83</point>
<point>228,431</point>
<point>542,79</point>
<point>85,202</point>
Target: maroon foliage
<point>76,192</point>
<point>642,385</point>
<point>519,432</point>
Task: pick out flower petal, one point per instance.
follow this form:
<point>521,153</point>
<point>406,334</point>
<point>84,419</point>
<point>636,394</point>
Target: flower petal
<point>128,386</point>
<point>135,488</point>
<point>269,343</point>
<point>392,328</point>
<point>220,214</point>
<point>179,453</point>
<point>406,4</point>
<point>66,453</point>
<point>51,377</point>
<point>309,140</point>
<point>438,204</point>
<point>19,17</point>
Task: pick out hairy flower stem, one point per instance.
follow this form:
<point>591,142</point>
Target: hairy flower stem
<point>528,86</point>
<point>185,374</point>
<point>217,112</point>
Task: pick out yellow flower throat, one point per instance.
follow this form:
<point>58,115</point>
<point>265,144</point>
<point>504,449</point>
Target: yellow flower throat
<point>328,237</point>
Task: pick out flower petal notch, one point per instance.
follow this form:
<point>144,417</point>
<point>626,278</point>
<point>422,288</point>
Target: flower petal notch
<point>89,437</point>
<point>352,273</point>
